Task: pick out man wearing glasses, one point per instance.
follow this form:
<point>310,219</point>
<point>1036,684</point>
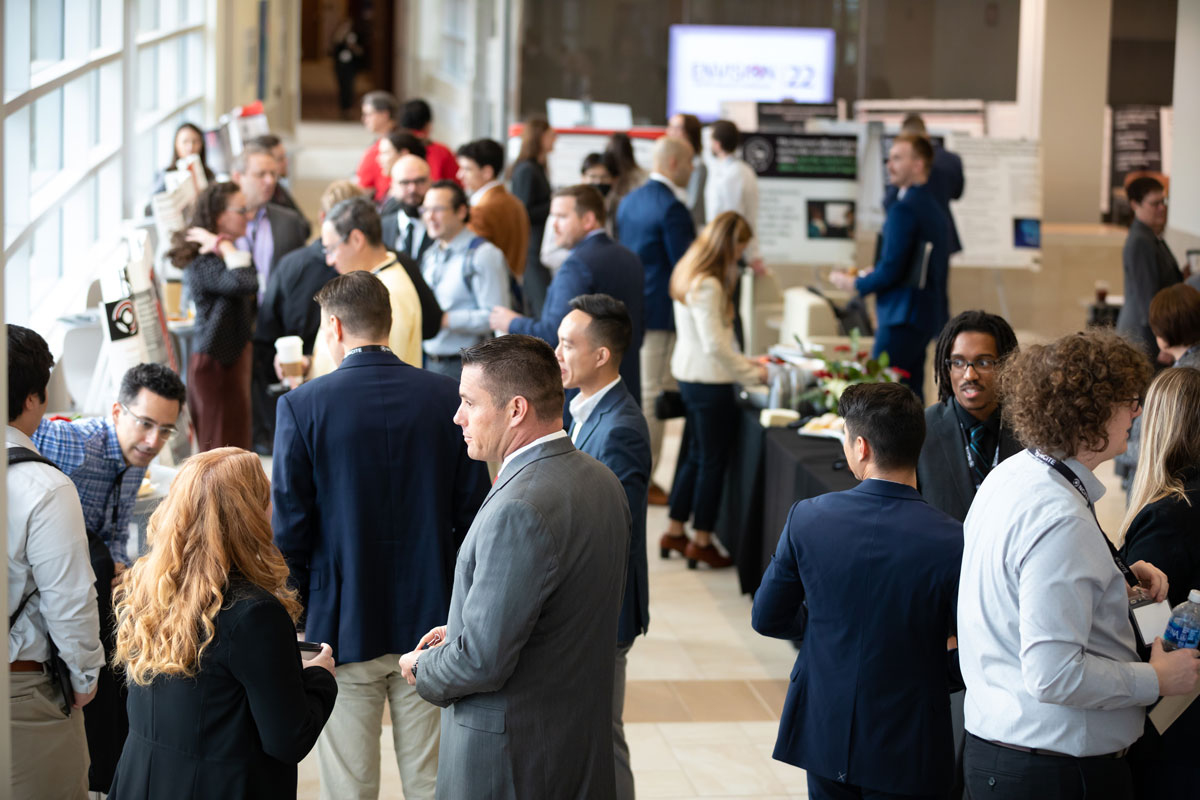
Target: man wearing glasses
<point>106,457</point>
<point>403,231</point>
<point>1148,263</point>
<point>468,274</point>
<point>965,437</point>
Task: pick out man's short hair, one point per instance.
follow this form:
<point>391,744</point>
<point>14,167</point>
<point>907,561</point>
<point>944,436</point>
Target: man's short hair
<point>587,198</point>
<point>889,416</point>
<point>1138,188</point>
<point>250,148</point>
<point>969,322</point>
<point>611,325</point>
<point>667,149</point>
<point>357,213</point>
<point>416,115</point>
<point>361,302</point>
<point>158,378</point>
<point>29,365</point>
<point>921,147</point>
<point>382,101</point>
<point>458,196</point>
<point>1059,397</point>
<point>338,191</point>
<point>1175,315</point>
<point>268,140</point>
<point>519,365</point>
<point>485,153</point>
<point>403,140</point>
<point>914,124</point>
<point>726,134</point>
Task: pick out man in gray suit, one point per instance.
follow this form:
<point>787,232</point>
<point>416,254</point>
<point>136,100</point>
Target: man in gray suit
<point>523,668</point>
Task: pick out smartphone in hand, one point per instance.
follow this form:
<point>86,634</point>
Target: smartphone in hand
<point>308,650</point>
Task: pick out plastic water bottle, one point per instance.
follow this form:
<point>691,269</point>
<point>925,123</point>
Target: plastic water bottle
<point>1184,628</point>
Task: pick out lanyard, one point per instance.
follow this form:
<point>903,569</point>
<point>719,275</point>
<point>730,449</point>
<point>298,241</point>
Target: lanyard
<point>1073,479</point>
<point>369,348</point>
<point>970,457</point>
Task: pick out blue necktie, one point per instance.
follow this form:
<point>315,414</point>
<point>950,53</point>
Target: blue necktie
<point>981,465</point>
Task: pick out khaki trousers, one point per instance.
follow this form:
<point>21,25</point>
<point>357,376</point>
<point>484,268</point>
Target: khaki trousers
<point>655,365</point>
<point>49,749</point>
<point>348,748</point>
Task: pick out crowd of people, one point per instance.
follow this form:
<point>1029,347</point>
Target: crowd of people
<point>961,618</point>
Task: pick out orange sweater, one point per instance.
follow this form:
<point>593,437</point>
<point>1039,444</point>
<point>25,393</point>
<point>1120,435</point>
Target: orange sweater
<point>502,220</point>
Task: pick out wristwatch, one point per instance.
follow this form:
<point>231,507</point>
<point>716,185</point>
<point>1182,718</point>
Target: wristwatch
<point>414,666</point>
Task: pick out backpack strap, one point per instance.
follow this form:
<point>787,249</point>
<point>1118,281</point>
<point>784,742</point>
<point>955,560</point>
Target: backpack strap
<point>23,455</point>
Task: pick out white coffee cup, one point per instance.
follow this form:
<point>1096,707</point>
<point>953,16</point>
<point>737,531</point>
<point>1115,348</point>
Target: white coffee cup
<point>290,350</point>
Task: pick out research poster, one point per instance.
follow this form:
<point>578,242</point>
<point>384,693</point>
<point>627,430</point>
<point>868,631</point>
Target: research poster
<point>1136,150</point>
<point>999,216</point>
<point>808,189</point>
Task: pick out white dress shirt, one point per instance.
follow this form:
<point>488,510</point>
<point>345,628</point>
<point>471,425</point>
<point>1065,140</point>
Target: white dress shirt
<point>549,437</point>
<point>733,186</point>
<point>704,346</point>
<point>477,195</point>
<point>1045,643</point>
<point>680,192</point>
<point>48,551</point>
<point>582,408</point>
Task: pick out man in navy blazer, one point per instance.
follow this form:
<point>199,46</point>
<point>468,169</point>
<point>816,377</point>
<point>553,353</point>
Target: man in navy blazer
<point>608,425</point>
<point>596,265</point>
<point>653,221</point>
<point>946,179</point>
<point>909,315</point>
<point>373,492</point>
<point>868,579</point>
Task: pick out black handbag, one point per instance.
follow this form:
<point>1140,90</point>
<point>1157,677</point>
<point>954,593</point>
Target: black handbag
<point>668,405</point>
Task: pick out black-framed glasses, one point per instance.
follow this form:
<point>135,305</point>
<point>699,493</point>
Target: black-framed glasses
<point>980,364</point>
<point>1136,402</point>
<point>410,181</point>
<point>423,210</point>
<point>145,426</point>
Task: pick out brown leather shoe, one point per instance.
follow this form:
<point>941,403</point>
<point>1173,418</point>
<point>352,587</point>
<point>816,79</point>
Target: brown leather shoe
<point>667,543</point>
<point>657,496</point>
<point>709,555</point>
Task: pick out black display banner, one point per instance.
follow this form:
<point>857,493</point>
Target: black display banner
<point>790,117</point>
<point>778,155</point>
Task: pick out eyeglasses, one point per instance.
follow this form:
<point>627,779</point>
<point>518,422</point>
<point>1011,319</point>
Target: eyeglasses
<point>239,210</point>
<point>145,426</point>
<point>980,364</point>
<point>330,247</point>
<point>1136,402</point>
<point>411,182</point>
<point>423,210</point>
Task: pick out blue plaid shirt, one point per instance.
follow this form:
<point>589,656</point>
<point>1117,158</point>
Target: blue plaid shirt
<point>88,451</point>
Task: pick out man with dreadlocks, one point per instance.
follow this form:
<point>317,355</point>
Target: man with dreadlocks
<point>965,437</point>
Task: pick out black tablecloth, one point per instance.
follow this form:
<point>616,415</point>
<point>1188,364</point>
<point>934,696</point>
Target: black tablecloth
<point>795,467</point>
<point>739,520</point>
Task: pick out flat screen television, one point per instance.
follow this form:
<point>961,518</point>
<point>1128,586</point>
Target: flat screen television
<point>709,64</point>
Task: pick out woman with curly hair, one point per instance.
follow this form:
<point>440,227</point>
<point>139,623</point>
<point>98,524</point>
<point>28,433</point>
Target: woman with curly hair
<point>1162,525</point>
<point>220,704</point>
<point>223,283</point>
<point>1056,692</point>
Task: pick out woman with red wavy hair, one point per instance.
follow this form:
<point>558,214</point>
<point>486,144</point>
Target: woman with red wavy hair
<point>220,703</point>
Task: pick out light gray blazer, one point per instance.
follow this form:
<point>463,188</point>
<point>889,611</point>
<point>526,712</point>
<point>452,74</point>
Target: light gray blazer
<point>525,677</point>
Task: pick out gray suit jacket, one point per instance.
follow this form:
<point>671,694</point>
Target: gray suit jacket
<point>526,674</point>
<point>1149,267</point>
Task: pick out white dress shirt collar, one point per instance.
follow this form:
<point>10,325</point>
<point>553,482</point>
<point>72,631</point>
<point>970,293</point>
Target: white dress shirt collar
<point>680,193</point>
<point>549,437</point>
<point>581,408</point>
<point>477,195</point>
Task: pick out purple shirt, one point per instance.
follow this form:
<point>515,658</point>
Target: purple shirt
<point>259,242</point>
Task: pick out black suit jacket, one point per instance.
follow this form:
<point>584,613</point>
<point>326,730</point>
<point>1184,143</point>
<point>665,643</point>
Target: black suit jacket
<point>238,728</point>
<point>283,197</point>
<point>288,308</point>
<point>943,475</point>
<point>391,238</point>
<point>288,229</point>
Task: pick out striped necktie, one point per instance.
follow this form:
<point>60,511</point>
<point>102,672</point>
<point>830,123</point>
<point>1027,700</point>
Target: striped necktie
<point>981,465</point>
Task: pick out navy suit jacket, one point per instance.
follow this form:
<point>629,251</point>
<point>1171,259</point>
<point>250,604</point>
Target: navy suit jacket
<point>946,181</point>
<point>595,265</point>
<point>868,578</point>
<point>914,219</point>
<point>654,224</point>
<point>373,493</point>
<point>616,435</point>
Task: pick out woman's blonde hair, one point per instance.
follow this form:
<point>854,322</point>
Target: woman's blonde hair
<point>213,521</point>
<point>1170,440</point>
<point>714,253</point>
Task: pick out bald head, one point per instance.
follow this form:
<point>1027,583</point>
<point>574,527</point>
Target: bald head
<point>673,158</point>
<point>410,181</point>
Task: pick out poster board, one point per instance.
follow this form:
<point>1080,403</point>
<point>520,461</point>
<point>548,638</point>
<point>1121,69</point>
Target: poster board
<point>999,215</point>
<point>808,192</point>
<point>957,116</point>
<point>1137,141</point>
<point>573,144</point>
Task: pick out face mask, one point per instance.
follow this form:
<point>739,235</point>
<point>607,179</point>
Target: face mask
<point>602,188</point>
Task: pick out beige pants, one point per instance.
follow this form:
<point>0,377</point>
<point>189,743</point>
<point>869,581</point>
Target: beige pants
<point>348,748</point>
<point>49,749</point>
<point>657,347</point>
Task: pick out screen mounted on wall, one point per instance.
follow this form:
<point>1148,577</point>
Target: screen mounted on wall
<point>710,64</point>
